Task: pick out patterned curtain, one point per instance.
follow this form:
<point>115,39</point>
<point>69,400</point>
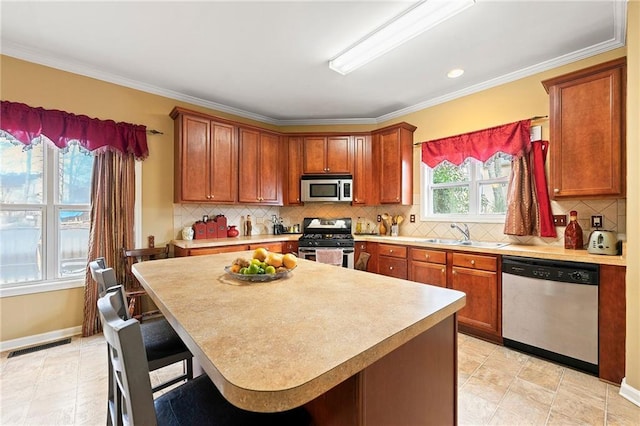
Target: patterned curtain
<point>528,205</point>
<point>112,210</point>
<point>26,123</point>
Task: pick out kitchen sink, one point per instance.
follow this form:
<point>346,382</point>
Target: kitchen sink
<point>487,244</point>
<point>441,241</point>
<point>484,244</point>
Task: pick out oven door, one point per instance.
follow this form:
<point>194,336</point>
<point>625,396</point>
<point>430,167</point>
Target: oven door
<point>309,253</point>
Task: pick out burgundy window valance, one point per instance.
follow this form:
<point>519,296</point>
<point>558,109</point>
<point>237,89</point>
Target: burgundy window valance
<point>26,123</point>
<point>512,139</point>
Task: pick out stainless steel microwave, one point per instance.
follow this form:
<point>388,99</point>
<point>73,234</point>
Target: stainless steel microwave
<point>326,188</point>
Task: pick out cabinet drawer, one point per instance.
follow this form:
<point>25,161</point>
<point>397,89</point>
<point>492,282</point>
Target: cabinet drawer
<point>216,250</point>
<point>392,267</point>
<point>424,255</point>
<point>392,250</point>
<point>475,261</point>
<point>274,247</point>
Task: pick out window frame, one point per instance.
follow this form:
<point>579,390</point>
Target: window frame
<point>50,209</point>
<point>474,215</point>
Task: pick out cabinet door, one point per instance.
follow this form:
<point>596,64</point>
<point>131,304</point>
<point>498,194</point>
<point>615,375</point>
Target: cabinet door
<point>391,170</point>
<point>270,169</point>
<point>587,132</point>
<point>248,166</point>
<point>294,171</point>
<point>362,168</point>
<point>338,155</point>
<point>224,163</point>
<point>290,247</point>
<point>392,267</point>
<point>611,323</point>
<point>482,309</point>
<point>393,157</point>
<point>314,160</point>
<point>259,168</point>
<point>192,176</point>
<point>428,273</point>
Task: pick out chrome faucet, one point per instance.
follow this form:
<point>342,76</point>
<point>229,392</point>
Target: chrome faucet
<point>465,231</point>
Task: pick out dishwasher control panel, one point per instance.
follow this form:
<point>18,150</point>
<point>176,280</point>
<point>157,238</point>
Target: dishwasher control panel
<point>569,272</point>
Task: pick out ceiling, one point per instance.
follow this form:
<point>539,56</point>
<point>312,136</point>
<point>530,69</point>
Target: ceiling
<point>269,60</point>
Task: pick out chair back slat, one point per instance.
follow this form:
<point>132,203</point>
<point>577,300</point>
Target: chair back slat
<point>105,278</point>
<point>94,265</point>
<point>129,362</point>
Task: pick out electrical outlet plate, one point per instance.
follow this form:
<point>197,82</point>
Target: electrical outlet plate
<point>560,220</point>
<point>379,218</point>
<point>412,218</point>
<point>596,221</point>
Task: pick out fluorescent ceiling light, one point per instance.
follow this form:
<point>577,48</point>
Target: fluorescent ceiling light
<point>412,22</point>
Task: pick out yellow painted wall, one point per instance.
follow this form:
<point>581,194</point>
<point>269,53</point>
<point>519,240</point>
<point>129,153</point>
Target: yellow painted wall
<point>41,86</point>
<point>633,196</point>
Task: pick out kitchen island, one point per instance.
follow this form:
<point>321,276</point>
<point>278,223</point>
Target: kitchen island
<point>354,348</point>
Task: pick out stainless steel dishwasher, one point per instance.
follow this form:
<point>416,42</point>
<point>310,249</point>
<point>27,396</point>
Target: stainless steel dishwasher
<point>550,309</point>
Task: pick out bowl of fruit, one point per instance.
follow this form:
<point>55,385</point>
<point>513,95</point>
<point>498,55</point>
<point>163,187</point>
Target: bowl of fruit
<point>263,266</point>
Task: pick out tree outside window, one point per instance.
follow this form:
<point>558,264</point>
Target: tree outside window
<point>470,191</point>
<point>45,198</point>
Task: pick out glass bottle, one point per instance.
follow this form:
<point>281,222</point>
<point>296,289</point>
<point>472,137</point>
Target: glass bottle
<point>359,226</point>
<point>573,233</point>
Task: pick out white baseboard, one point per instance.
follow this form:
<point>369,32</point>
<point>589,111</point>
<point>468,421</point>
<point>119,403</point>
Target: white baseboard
<point>39,339</point>
<point>629,392</point>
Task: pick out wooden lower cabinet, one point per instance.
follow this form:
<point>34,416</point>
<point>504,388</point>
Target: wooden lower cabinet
<point>428,266</point>
<point>274,247</point>
<point>372,249</point>
<point>392,260</point>
<point>611,323</point>
<point>479,277</point>
<point>290,247</point>
<point>181,252</point>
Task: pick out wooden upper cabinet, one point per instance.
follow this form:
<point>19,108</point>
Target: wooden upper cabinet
<point>205,165</point>
<point>327,154</point>
<point>393,159</point>
<point>587,132</point>
<point>293,171</point>
<point>260,167</point>
<point>362,170</point>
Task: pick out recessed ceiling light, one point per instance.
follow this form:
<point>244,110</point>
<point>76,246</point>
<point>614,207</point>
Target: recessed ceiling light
<point>455,73</point>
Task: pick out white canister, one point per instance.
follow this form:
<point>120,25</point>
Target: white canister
<point>187,233</point>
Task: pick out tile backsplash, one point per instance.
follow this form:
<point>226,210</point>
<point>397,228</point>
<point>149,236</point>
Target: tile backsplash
<point>613,212</point>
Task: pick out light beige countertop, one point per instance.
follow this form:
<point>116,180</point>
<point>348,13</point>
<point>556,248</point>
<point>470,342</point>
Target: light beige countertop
<point>277,345</point>
<point>218,242</point>
<point>541,252</point>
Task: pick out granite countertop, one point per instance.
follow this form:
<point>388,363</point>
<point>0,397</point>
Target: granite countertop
<point>277,345</point>
<point>541,252</point>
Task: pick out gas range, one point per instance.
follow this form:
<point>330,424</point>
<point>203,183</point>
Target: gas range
<point>325,232</point>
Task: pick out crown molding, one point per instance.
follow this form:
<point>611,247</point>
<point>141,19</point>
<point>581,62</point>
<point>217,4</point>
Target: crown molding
<point>42,58</point>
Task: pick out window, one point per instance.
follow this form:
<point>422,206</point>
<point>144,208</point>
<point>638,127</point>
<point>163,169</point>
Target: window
<point>45,196</point>
<point>472,191</point>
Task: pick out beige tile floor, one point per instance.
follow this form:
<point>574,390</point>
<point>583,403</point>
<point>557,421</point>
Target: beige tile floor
<point>66,385</point>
